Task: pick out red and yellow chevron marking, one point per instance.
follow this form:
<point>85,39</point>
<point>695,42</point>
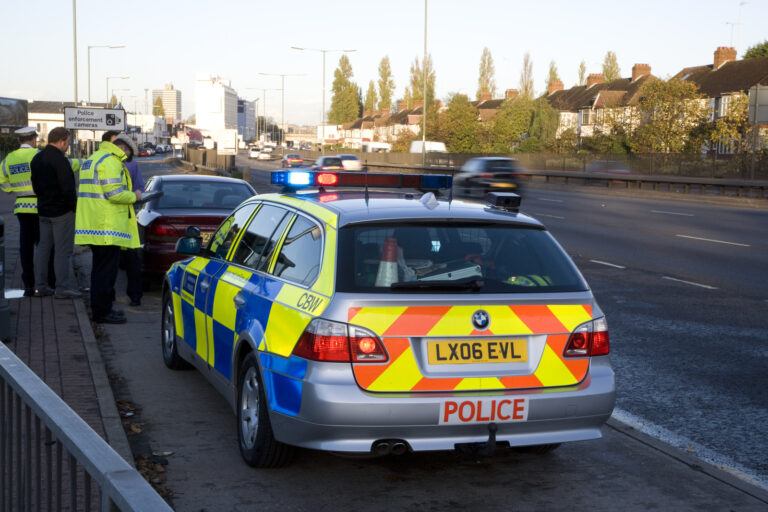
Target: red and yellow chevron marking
<point>396,325</point>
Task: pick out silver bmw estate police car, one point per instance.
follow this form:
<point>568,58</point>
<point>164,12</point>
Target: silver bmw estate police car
<point>370,314</point>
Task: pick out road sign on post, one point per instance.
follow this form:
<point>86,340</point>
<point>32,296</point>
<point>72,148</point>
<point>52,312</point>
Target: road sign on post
<point>86,118</point>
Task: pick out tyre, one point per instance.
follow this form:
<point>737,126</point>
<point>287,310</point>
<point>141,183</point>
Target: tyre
<point>168,338</point>
<point>258,445</point>
<point>539,449</point>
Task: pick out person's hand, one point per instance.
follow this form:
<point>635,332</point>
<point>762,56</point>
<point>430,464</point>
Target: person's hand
<point>138,195</point>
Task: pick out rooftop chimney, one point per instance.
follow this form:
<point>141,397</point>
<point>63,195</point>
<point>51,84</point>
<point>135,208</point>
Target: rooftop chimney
<point>724,54</point>
<point>510,94</point>
<point>366,113</point>
<point>639,70</point>
<point>594,79</point>
<point>485,96</point>
<point>554,85</point>
<point>385,112</point>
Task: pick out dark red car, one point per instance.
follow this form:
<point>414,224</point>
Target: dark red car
<point>202,201</point>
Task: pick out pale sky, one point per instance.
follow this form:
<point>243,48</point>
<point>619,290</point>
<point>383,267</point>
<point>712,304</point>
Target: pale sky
<point>237,39</point>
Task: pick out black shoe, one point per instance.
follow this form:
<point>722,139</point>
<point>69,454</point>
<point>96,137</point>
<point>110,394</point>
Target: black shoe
<point>135,302</point>
<point>29,292</point>
<point>110,318</point>
<point>118,312</point>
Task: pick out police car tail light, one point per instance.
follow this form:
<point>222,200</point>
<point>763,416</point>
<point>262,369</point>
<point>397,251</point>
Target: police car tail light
<point>589,339</point>
<point>324,340</point>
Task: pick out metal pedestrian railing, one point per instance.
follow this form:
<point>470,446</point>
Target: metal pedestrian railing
<point>50,459</point>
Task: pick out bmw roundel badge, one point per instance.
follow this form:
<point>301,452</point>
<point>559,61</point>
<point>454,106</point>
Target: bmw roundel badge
<point>481,320</point>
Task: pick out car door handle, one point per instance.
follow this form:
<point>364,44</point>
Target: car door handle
<point>239,300</point>
<point>204,285</point>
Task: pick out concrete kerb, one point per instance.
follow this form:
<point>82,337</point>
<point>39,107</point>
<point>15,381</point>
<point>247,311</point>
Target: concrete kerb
<point>692,462</point>
<point>110,417</point>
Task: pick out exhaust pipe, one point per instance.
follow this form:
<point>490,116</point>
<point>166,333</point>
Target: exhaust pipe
<point>399,447</point>
<point>381,448</point>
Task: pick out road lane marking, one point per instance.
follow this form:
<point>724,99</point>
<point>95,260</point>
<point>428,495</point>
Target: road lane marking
<point>607,264</point>
<point>550,216</point>
<point>691,283</point>
<point>550,200</point>
<point>673,213</point>
<point>712,240</point>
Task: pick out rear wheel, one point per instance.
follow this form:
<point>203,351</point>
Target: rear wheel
<point>169,341</point>
<point>258,445</point>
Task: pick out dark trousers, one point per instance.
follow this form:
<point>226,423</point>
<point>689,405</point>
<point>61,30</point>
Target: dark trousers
<point>106,261</point>
<point>130,260</point>
<point>29,236</point>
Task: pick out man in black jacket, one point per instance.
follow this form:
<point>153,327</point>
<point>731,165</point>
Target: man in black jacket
<point>54,184</point>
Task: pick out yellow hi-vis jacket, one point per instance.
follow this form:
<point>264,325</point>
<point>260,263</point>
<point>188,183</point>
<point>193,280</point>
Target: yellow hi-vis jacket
<point>16,176</point>
<point>105,214</point>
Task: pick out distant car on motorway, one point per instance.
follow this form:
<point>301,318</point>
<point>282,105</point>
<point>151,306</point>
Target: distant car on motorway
<point>292,160</point>
<point>265,154</point>
<point>351,162</point>
<point>253,152</point>
<point>478,176</point>
<point>328,163</point>
<point>202,201</point>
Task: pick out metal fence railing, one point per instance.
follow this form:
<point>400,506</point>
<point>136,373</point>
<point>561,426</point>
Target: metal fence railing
<point>50,459</point>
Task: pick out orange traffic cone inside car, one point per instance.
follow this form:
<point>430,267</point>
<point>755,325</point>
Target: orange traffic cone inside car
<point>387,273</point>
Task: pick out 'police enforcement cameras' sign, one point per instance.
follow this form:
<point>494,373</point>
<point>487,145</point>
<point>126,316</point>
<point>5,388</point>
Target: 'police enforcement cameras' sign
<point>86,118</point>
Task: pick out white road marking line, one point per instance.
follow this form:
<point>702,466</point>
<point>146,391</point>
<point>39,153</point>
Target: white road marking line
<point>711,240</point>
<point>607,264</point>
<point>550,216</point>
<point>691,283</point>
<point>550,200</point>
<point>673,213</point>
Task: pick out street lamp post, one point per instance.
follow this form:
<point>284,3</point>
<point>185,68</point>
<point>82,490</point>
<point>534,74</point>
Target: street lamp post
<point>74,39</point>
<point>263,102</point>
<point>89,63</point>
<point>282,106</point>
<point>424,106</point>
<point>108,79</point>
<point>323,51</point>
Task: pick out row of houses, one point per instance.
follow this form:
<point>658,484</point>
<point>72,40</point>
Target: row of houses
<point>581,108</point>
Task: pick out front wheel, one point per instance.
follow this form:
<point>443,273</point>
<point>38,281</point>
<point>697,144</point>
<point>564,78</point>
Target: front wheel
<point>258,445</point>
<point>169,341</point>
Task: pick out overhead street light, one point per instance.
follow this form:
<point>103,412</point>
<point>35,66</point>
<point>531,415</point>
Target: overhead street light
<point>282,76</point>
<point>323,51</point>
<point>89,63</point>
<point>263,102</point>
<point>110,78</point>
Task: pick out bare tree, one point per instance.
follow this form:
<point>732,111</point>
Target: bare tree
<point>582,73</point>
<point>486,81</point>
<point>526,77</point>
<point>611,69</point>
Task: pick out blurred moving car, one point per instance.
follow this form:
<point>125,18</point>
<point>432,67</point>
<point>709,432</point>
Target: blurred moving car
<point>145,152</point>
<point>203,201</point>
<point>292,160</point>
<point>478,176</point>
<point>608,167</point>
<point>253,152</point>
<point>265,154</point>
<point>351,162</point>
<point>328,163</point>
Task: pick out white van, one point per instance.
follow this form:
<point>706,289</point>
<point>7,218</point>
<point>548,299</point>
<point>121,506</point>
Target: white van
<point>429,146</point>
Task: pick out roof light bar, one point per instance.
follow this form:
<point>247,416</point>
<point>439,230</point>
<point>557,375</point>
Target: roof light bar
<point>303,179</point>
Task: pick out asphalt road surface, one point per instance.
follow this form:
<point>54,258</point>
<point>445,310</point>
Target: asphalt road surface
<point>683,286</point>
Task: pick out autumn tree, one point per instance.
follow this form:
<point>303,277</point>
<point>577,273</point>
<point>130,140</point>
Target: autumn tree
<point>158,109</point>
<point>486,81</point>
<point>526,77</point>
<point>611,69</point>
<point>732,128</point>
<point>370,97</point>
<point>113,100</point>
<point>670,111</point>
<point>386,84</point>
<point>416,87</point>
<point>552,76</point>
<point>344,101</point>
<point>758,50</point>
<point>582,73</point>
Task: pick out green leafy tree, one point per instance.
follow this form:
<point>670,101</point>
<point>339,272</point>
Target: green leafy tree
<point>158,109</point>
<point>732,128</point>
<point>460,126</point>
<point>552,76</point>
<point>611,69</point>
<point>344,101</point>
<point>671,111</point>
<point>386,84</point>
<point>567,142</point>
<point>416,86</point>
<point>370,97</point>
<point>758,50</point>
<point>544,122</point>
<point>510,124</point>
<point>582,73</point>
<point>360,102</point>
<point>486,81</point>
<point>526,77</point>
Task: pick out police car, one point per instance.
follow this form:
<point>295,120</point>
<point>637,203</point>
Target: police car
<point>371,313</point>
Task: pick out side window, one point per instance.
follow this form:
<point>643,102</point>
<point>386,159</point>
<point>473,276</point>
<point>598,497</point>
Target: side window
<point>222,239</point>
<point>301,253</point>
<point>258,240</point>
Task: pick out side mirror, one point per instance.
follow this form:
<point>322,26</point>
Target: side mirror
<point>189,246</point>
<point>193,232</point>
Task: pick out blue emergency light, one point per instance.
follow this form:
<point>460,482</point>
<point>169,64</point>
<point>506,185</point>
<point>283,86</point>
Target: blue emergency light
<point>304,179</point>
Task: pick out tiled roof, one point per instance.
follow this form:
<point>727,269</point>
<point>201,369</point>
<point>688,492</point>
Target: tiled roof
<point>582,96</point>
<point>734,76</point>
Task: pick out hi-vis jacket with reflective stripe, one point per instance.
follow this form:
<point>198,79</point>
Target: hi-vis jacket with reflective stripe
<point>16,176</point>
<point>104,213</point>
